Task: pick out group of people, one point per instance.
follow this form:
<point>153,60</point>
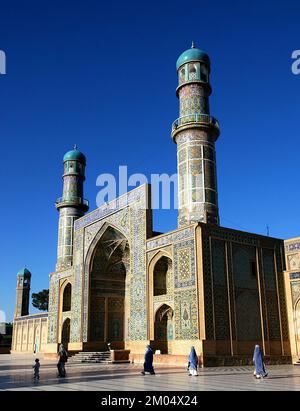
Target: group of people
<point>193,363</point>
<point>62,359</point>
<point>148,362</point>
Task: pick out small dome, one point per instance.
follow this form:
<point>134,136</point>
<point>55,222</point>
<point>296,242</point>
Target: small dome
<point>75,155</point>
<point>24,272</point>
<point>192,54</point>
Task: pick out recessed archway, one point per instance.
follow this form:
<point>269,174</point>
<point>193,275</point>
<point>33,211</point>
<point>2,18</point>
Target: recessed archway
<point>163,328</point>
<point>297,324</point>
<point>160,283</point>
<point>65,334</point>
<point>67,298</point>
<point>160,276</point>
<point>108,270</point>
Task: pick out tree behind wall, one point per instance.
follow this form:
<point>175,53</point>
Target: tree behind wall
<point>40,300</point>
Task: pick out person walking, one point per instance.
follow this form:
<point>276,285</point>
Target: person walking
<point>36,368</point>
<point>258,360</point>
<point>193,363</point>
<point>62,359</point>
<point>148,363</point>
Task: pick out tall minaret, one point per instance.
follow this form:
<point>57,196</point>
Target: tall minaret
<point>195,133</point>
<point>71,205</point>
<point>22,293</point>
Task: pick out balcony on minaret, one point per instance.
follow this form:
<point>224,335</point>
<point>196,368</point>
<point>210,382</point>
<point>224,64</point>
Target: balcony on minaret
<point>202,121</point>
<point>72,202</point>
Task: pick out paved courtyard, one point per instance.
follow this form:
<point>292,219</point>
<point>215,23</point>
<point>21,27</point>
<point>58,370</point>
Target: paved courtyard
<point>16,375</point>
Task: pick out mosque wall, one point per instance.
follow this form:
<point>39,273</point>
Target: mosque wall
<point>244,294</point>
<point>292,285</point>
<point>30,334</point>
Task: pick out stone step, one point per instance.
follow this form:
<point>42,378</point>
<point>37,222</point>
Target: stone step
<point>91,357</point>
<point>90,362</point>
<point>297,362</point>
<point>92,353</point>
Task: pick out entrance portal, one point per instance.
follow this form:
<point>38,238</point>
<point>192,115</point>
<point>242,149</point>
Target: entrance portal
<point>108,290</point>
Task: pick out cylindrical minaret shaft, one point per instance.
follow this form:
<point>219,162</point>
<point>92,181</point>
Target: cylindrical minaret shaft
<point>22,293</point>
<point>71,206</point>
<point>195,133</point>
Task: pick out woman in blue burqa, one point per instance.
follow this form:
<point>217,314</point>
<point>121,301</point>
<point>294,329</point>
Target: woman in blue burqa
<point>148,364</point>
<point>193,363</point>
<point>258,360</point>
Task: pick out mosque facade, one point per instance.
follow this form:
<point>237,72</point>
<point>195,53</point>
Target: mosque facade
<point>118,282</point>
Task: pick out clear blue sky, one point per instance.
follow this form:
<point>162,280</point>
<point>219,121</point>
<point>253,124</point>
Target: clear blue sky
<point>102,75</point>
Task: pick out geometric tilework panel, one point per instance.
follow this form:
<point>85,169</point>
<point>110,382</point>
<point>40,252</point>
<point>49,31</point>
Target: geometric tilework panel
<point>295,286</point>
<point>184,264</point>
<point>279,253</point>
<point>221,310</point>
<point>246,294</point>
<point>271,294</point>
<point>138,291</point>
<point>53,309</point>
<point>77,325</point>
<point>186,315</point>
<point>208,297</point>
<point>295,292</point>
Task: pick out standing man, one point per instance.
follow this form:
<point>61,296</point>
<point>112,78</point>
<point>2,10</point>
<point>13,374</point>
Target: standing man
<point>62,359</point>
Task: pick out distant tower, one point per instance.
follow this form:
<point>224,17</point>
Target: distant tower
<point>195,133</point>
<point>23,293</point>
<point>71,205</point>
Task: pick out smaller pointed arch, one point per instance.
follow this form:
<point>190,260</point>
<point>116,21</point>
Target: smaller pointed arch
<point>67,298</point>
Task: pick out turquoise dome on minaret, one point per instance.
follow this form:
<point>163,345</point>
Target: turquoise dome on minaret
<point>24,272</point>
<point>192,54</point>
<point>76,155</point>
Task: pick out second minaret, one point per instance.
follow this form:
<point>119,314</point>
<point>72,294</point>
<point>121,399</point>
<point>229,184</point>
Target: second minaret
<point>71,206</point>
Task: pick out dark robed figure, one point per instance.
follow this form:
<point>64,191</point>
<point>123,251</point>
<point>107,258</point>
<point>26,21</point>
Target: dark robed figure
<point>258,360</point>
<point>193,362</point>
<point>62,359</point>
<point>148,364</point>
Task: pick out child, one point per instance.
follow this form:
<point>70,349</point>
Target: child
<point>36,368</point>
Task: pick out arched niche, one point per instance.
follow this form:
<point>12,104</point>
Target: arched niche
<point>65,334</point>
<point>161,270</point>
<point>163,328</point>
<point>67,298</point>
